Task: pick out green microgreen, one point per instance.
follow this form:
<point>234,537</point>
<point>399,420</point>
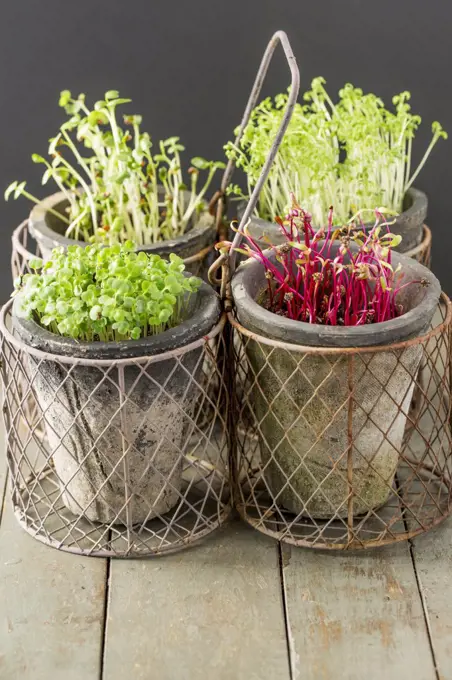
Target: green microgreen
<point>116,188</point>
<point>106,293</point>
<point>355,154</point>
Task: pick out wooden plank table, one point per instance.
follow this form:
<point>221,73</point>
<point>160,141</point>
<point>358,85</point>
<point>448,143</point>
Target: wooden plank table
<point>214,611</point>
<point>432,555</point>
<point>360,616</point>
<point>237,607</point>
<point>52,611</point>
<point>52,606</point>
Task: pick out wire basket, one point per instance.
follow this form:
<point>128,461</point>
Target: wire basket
<point>24,249</point>
<point>329,452</point>
<point>423,252</point>
<point>119,457</point>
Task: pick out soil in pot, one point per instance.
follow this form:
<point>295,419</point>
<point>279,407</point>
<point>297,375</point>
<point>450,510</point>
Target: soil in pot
<point>409,224</point>
<point>49,232</point>
<point>92,415</point>
<point>300,400</point>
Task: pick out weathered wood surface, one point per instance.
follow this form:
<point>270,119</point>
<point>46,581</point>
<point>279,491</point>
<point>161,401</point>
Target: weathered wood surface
<point>217,610</point>
<point>214,611</point>
<point>355,617</point>
<point>433,560</point>
<point>51,609</point>
<point>432,552</point>
<point>2,467</point>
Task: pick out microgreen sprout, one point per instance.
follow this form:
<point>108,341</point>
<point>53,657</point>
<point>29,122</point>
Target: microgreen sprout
<point>353,154</point>
<point>113,191</point>
<point>106,293</point>
<point>310,282</point>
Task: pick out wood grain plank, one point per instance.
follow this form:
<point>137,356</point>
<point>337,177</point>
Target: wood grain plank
<point>214,611</point>
<point>52,609</point>
<point>432,554</point>
<point>356,616</point>
<point>432,551</point>
<point>2,470</point>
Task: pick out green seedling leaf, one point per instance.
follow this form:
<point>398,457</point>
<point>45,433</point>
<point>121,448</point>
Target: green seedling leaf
<point>19,189</point>
<point>36,158</point>
<point>200,163</point>
<point>12,188</point>
<point>65,97</point>
<point>97,117</point>
<point>111,94</point>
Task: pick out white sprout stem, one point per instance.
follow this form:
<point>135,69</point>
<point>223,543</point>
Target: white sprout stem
<point>74,150</point>
<point>423,161</point>
<point>72,227</point>
<point>51,210</point>
<point>195,199</point>
<point>85,187</point>
<point>69,195</point>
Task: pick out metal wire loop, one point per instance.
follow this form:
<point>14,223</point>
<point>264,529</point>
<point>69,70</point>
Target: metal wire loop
<point>279,37</point>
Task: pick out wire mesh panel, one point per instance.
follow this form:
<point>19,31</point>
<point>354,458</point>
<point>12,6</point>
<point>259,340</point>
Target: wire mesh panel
<point>423,252</point>
<point>24,248</point>
<point>120,458</point>
<point>330,452</point>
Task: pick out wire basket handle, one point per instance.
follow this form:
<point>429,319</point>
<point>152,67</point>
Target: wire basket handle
<point>226,260</point>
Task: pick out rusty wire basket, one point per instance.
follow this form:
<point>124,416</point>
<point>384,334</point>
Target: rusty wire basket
<point>24,248</point>
<point>329,453</point>
<point>120,457</point>
<point>333,447</point>
<point>423,252</point>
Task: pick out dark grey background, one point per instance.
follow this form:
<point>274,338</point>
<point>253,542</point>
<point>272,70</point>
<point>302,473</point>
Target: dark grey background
<point>188,66</point>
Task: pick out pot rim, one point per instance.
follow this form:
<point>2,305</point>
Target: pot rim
<point>40,230</point>
<point>420,203</point>
<point>324,350</point>
<point>412,321</point>
<point>205,322</point>
<point>419,197</point>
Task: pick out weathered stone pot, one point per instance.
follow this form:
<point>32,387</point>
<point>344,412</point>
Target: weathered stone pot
<point>409,224</point>
<point>302,406</point>
<point>86,424</point>
<point>48,231</point>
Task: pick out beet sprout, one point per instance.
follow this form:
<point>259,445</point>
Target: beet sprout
<point>331,276</point>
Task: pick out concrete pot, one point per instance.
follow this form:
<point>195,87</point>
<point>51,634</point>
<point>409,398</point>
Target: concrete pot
<point>409,224</point>
<point>303,435</point>
<point>48,231</point>
<point>88,456</point>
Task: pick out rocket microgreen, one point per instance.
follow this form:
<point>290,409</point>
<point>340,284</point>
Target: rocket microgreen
<point>112,186</point>
<point>353,154</point>
<point>106,293</point>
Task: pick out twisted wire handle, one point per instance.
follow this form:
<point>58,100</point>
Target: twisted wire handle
<point>226,260</point>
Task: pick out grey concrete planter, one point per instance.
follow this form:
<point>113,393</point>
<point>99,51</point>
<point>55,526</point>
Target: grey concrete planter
<point>408,224</point>
<point>85,424</point>
<point>48,231</point>
<point>303,434</point>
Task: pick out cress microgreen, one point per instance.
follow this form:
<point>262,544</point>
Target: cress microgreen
<point>355,286</point>
<point>111,178</point>
<point>106,293</point>
<point>353,154</point>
